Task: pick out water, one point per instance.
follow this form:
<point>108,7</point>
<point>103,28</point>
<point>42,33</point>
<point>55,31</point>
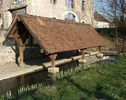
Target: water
<point>16,82</point>
<point>37,77</point>
<point>109,58</point>
<point>29,79</point>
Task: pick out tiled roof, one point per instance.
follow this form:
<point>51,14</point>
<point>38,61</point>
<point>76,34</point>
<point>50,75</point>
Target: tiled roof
<point>99,17</point>
<point>58,36</point>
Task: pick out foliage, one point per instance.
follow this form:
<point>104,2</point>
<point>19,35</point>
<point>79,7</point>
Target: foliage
<point>115,10</point>
<point>108,32</point>
<point>71,71</point>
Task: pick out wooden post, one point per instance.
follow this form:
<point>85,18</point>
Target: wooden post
<point>53,69</point>
<point>99,55</point>
<point>21,46</point>
<point>21,55</point>
<point>53,59</point>
<point>83,54</point>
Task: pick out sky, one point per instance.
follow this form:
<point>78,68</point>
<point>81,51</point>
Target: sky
<point>97,5</point>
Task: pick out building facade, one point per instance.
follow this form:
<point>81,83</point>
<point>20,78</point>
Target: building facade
<point>1,15</point>
<point>100,21</point>
<point>73,10</point>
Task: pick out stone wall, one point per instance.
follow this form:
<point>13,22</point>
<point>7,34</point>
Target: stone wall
<point>7,53</point>
<point>47,9</point>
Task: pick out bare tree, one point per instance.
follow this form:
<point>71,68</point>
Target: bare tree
<point>115,10</point>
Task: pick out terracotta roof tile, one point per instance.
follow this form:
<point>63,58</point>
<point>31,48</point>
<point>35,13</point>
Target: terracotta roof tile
<point>58,36</point>
<point>99,17</point>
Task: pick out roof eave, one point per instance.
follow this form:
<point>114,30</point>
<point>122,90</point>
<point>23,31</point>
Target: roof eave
<point>11,27</point>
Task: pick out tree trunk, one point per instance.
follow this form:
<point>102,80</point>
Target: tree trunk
<point>123,44</point>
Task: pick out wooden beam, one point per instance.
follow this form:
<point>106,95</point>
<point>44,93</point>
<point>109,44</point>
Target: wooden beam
<point>17,38</point>
<point>12,25</point>
<point>14,30</point>
<point>21,51</point>
<point>21,56</point>
<point>13,36</point>
<point>18,41</point>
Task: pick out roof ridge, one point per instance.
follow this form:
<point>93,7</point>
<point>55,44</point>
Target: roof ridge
<point>52,19</point>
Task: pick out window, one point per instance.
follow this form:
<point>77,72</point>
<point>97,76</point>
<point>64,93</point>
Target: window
<point>53,1</point>
<point>69,3</point>
<point>83,4</point>
<point>70,17</point>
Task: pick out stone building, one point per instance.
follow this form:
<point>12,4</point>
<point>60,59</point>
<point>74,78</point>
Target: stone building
<point>1,17</point>
<point>74,10</point>
<point>100,21</point>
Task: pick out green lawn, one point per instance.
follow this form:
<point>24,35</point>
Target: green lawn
<point>106,82</point>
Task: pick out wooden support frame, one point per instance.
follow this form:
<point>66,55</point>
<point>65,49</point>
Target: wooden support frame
<point>21,55</point>
<point>13,36</point>
<point>14,30</point>
<point>53,60</point>
<point>100,54</point>
<point>83,54</point>
<point>20,41</point>
<point>21,46</point>
<point>13,24</point>
<point>53,69</point>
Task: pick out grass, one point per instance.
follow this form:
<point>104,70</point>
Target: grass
<point>106,81</point>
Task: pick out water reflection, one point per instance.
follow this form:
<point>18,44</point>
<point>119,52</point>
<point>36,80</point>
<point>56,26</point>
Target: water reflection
<point>109,58</point>
<point>33,78</point>
<point>37,77</point>
<point>16,82</point>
